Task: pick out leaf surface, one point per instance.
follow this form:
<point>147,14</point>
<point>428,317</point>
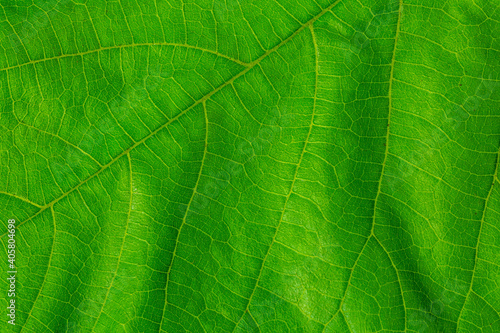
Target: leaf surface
<point>264,166</point>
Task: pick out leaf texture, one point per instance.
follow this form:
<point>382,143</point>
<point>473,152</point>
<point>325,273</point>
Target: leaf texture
<point>251,166</point>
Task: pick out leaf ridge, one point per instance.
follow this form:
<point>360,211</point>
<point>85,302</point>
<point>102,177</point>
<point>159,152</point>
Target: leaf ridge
<point>186,212</point>
<point>495,175</point>
<point>48,267</point>
<point>62,139</point>
<point>372,234</point>
<point>291,186</point>
<point>21,198</point>
<point>123,242</point>
<point>33,62</point>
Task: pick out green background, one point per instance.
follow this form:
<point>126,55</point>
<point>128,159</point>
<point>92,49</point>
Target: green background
<point>251,166</point>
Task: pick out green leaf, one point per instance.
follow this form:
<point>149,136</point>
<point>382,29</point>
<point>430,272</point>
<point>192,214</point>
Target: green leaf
<point>251,166</point>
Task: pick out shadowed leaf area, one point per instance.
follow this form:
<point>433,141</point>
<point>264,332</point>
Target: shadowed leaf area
<point>251,166</point>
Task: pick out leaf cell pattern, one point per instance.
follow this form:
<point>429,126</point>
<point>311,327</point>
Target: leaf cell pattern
<point>251,166</point>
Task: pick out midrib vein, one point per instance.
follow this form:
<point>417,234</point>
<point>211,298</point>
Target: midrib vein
<point>201,100</point>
